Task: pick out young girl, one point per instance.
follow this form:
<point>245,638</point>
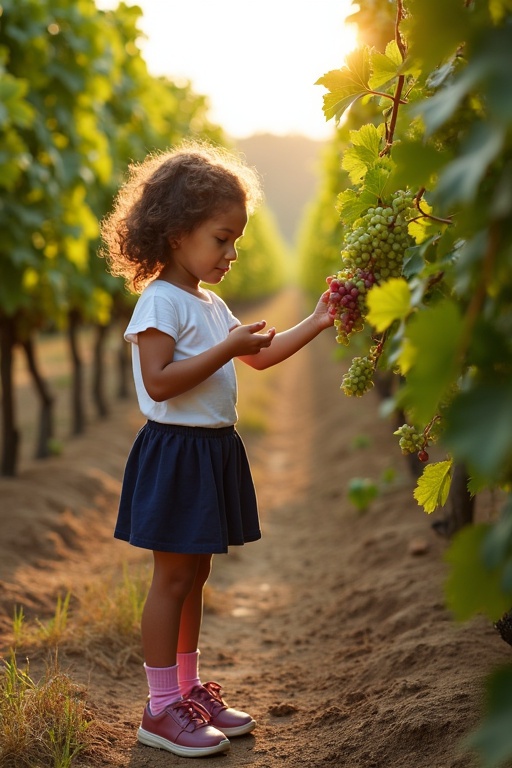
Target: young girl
<point>187,490</point>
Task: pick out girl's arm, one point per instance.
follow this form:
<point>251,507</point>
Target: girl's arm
<point>164,377</point>
<point>288,342</point>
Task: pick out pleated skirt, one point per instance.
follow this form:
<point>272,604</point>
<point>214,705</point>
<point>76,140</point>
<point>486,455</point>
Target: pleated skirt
<point>187,490</point>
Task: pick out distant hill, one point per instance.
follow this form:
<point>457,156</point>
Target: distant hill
<point>289,166</point>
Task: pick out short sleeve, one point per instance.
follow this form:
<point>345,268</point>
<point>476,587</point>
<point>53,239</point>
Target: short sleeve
<point>153,310</point>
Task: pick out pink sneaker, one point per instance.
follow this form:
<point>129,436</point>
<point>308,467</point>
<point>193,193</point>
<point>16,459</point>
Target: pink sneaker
<point>182,728</point>
<point>231,722</point>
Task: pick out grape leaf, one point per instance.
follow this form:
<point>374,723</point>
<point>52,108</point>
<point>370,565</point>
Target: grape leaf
<point>386,66</point>
<point>388,302</point>
<point>493,737</point>
<point>490,66</point>
<point>406,357</point>
<point>484,440</point>
<point>437,109</point>
<point>460,179</point>
<point>471,587</point>
<point>421,227</point>
<point>417,163</point>
<point>364,152</point>
<point>496,58</point>
<point>13,107</point>
<point>376,180</point>
<point>433,486</point>
<point>435,331</point>
<point>417,259</point>
<point>431,41</point>
<point>350,205</point>
<point>347,84</point>
<point>356,162</point>
<point>497,547</point>
<point>477,484</point>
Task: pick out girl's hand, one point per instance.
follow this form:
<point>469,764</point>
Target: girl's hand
<point>247,339</point>
<point>320,314</point>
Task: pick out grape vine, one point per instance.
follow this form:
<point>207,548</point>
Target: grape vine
<point>427,105</point>
<point>373,251</point>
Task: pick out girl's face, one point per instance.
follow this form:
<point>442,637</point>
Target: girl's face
<point>206,254</point>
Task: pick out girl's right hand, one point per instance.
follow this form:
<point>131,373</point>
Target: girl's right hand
<point>248,340</point>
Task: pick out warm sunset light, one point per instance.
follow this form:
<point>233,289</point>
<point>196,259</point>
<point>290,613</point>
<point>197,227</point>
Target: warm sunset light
<point>256,62</point>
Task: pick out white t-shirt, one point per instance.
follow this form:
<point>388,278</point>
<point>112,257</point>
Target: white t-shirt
<point>195,325</point>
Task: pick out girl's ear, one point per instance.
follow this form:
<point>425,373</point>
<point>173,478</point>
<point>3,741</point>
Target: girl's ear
<point>174,242</point>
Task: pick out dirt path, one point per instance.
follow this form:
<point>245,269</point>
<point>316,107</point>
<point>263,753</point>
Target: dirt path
<point>330,631</point>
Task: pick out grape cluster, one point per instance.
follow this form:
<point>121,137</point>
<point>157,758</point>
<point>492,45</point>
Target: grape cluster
<point>373,251</point>
<point>411,440</point>
<point>359,377</point>
<point>347,301</point>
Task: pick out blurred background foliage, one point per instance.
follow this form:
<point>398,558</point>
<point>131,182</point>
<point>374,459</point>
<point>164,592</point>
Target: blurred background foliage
<point>77,105</point>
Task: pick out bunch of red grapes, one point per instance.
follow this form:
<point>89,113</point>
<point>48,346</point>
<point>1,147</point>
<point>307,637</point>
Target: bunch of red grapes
<point>347,301</point>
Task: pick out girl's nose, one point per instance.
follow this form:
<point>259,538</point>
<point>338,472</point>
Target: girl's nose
<point>232,254</point>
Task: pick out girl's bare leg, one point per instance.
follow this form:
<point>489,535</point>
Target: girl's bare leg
<point>192,611</point>
<point>174,578</point>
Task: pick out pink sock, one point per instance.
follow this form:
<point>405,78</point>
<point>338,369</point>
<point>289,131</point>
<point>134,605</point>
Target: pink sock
<point>188,671</point>
<point>163,687</point>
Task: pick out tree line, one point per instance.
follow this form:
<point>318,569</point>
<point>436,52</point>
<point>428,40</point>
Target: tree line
<point>77,105</point>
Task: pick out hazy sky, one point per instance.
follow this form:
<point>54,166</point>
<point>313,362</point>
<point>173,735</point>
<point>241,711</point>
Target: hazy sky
<point>256,61</point>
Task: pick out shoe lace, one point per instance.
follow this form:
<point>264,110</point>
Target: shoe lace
<point>210,694</point>
<point>192,713</point>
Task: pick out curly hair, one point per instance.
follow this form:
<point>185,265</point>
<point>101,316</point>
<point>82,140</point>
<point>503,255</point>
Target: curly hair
<point>167,196</point>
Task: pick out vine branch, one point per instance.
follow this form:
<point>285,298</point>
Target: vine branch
<point>398,37</point>
<point>424,214</point>
<point>397,97</point>
<point>388,96</point>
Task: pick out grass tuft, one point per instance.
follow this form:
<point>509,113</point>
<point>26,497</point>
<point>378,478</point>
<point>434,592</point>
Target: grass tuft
<point>43,724</point>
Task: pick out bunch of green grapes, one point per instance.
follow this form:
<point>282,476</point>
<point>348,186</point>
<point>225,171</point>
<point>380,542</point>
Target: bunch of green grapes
<point>373,251</point>
<point>379,238</point>
<point>412,441</point>
<point>359,377</point>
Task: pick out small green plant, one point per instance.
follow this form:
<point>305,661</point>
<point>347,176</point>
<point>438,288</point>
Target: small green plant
<point>361,492</point>
<point>388,477</point>
<point>55,446</point>
<point>360,442</point>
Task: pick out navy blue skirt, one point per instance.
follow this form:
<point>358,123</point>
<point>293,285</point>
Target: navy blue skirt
<point>188,490</point>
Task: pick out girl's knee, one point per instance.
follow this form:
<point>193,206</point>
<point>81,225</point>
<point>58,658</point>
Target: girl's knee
<point>175,574</point>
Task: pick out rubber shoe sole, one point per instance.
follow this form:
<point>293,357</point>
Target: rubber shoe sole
<point>159,742</point>
<point>239,730</point>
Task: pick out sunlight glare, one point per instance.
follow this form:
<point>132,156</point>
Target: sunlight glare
<point>256,62</point>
